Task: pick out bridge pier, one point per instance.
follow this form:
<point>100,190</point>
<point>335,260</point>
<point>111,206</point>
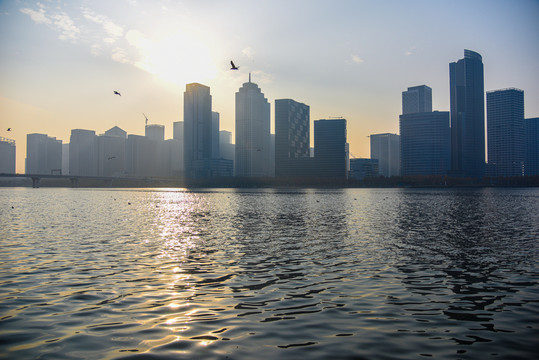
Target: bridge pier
<point>35,181</point>
<point>74,182</point>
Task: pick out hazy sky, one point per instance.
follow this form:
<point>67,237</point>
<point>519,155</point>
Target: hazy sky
<point>61,60</point>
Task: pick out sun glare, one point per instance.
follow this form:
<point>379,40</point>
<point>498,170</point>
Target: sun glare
<point>177,59</point>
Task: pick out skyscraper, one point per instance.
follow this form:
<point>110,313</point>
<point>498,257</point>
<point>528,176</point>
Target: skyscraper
<point>197,127</point>
<point>155,132</point>
<point>330,148</point>
<point>386,149</point>
<point>505,132</point>
<point>425,143</point>
<point>253,152</point>
<point>111,152</point>
<point>292,138</point>
<point>417,99</point>
<point>531,161</point>
<point>215,135</point>
<point>467,116</point>
<point>43,154</point>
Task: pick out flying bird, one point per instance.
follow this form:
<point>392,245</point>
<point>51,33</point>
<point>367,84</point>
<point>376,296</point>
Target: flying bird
<point>8,129</point>
<point>234,67</point>
<point>112,157</point>
<point>117,93</point>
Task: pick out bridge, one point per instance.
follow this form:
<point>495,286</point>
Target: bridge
<point>75,179</point>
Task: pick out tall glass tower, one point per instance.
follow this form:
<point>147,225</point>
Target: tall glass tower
<point>197,127</point>
<point>467,116</point>
<point>505,130</point>
<point>253,144</point>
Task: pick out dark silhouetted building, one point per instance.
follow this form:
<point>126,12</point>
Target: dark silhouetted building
<point>330,148</point>
<point>292,139</point>
<point>253,143</point>
<point>505,132</point>
<point>531,160</point>
<point>467,116</point>
<point>363,168</point>
<point>7,156</point>
<point>425,140</point>
<point>386,149</point>
<point>417,99</point>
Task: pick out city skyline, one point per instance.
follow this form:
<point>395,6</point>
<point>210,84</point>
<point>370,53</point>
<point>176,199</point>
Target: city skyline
<point>61,63</point>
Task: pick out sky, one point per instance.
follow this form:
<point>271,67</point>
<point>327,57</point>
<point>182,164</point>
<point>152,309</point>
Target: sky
<point>60,61</point>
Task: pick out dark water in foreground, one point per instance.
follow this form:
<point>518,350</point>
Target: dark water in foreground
<point>269,274</point>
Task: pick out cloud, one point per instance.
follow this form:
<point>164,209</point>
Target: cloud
<point>38,17</point>
<point>410,51</point>
<point>120,56</point>
<point>357,59</point>
<point>66,26</point>
<point>114,31</point>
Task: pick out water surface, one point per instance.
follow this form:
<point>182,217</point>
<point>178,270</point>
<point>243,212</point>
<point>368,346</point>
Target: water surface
<point>288,274</point>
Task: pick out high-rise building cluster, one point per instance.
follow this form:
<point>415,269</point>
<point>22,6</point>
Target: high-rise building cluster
<point>453,142</point>
<point>430,142</point>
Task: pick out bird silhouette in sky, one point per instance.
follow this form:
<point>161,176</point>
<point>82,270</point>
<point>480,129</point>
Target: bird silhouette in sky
<point>234,67</point>
<point>112,157</point>
<point>8,129</point>
<point>117,93</point>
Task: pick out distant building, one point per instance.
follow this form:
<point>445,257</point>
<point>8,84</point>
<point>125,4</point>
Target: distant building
<point>155,132</point>
<point>505,131</point>
<point>65,159</point>
<point>7,156</point>
<point>178,130</point>
<point>363,168</point>
<point>83,153</point>
<point>140,156</point>
<point>215,135</point>
<point>417,99</point>
<point>292,139</point>
<point>253,143</point>
<point>112,153</point>
<point>425,143</point>
<point>467,116</point>
<point>386,149</point>
<point>174,157</point>
<point>226,148</point>
<point>330,148</point>
<point>43,154</point>
<point>531,160</point>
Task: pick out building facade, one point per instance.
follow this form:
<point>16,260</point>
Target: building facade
<point>197,128</point>
<point>467,107</point>
<point>386,149</point>
<point>111,153</point>
<point>363,168</point>
<point>330,148</point>
<point>425,143</point>
<point>531,159</point>
<point>417,99</point>
<point>292,138</point>
<point>7,156</point>
<point>253,143</point>
<point>43,155</point>
<point>505,132</point>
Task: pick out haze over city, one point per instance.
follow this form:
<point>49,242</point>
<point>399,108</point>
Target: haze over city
<point>61,62</point>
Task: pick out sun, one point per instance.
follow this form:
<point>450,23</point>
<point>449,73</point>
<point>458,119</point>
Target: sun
<point>178,58</point>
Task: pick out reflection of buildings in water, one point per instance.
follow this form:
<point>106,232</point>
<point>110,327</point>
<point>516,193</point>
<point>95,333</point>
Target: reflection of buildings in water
<point>453,258</point>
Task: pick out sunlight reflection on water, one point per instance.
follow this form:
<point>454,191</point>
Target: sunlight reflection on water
<point>172,273</point>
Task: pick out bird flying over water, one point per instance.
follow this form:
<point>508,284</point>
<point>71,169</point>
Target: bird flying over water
<point>112,157</point>
<point>234,67</point>
<point>117,93</point>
